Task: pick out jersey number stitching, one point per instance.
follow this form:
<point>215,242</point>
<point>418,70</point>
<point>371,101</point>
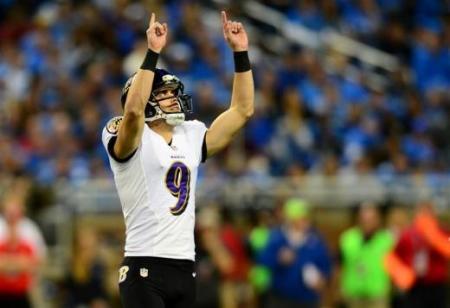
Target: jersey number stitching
<point>178,180</point>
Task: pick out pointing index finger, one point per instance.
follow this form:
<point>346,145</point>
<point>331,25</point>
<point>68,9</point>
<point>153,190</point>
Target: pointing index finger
<point>224,18</point>
<point>152,19</point>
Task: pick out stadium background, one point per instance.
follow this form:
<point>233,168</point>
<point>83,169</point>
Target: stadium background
<point>352,105</point>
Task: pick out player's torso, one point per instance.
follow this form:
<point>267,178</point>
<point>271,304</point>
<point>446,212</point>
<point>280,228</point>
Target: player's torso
<point>158,196</point>
<point>170,170</point>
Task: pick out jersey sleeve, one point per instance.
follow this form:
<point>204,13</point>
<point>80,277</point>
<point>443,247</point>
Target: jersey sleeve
<point>109,137</point>
<point>197,132</point>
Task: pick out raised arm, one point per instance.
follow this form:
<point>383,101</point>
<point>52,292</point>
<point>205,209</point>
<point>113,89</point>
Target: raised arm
<point>229,122</point>
<point>131,128</point>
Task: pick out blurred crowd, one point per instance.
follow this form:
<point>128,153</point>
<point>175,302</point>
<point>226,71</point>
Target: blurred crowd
<point>290,254</point>
<point>63,64</point>
<point>62,67</point>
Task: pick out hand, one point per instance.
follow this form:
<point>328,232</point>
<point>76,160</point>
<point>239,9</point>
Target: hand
<point>234,33</point>
<point>313,277</point>
<point>156,35</point>
<point>286,256</point>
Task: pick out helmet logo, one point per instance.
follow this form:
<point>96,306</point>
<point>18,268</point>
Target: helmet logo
<point>167,78</point>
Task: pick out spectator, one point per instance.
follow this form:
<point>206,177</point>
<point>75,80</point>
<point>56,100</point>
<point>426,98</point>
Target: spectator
<point>364,280</point>
<point>225,246</point>
<point>260,275</point>
<point>84,284</point>
<point>298,259</point>
<point>22,252</point>
<point>424,249</point>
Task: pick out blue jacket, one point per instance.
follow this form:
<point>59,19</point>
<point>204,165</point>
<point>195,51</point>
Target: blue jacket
<point>287,280</point>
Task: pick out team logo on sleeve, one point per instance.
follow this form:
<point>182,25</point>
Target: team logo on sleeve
<point>113,125</point>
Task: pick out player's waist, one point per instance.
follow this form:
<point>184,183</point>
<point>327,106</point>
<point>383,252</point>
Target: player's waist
<point>152,261</point>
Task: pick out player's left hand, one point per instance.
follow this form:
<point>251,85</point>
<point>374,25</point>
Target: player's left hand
<point>234,33</point>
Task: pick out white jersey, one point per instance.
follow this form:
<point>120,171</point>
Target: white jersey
<point>156,187</point>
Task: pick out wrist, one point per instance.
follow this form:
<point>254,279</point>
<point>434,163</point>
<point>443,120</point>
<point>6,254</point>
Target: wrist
<point>239,49</point>
<point>150,60</point>
<point>156,50</point>
<point>241,61</point>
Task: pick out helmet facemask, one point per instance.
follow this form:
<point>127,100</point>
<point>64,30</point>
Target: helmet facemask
<point>153,110</point>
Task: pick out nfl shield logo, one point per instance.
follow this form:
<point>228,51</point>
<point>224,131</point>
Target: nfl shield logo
<point>144,272</point>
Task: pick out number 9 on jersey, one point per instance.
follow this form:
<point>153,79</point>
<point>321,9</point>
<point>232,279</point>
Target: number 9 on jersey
<point>178,179</point>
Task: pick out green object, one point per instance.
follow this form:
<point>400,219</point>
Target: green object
<point>259,238</point>
<point>295,208</point>
<point>363,272</point>
<point>260,277</point>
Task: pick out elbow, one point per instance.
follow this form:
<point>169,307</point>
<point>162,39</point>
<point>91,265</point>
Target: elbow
<point>246,113</point>
<point>249,112</point>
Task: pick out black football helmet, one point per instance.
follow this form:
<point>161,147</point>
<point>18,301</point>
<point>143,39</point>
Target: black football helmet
<point>163,80</point>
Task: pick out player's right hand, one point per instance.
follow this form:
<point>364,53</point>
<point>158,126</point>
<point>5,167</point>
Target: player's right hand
<point>156,34</point>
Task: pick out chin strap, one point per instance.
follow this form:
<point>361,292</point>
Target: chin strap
<point>173,119</point>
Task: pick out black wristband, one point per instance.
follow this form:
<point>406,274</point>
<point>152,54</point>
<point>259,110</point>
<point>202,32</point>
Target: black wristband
<point>241,61</point>
<point>150,60</point>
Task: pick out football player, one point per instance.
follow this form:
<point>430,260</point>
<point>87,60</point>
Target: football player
<point>154,154</point>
